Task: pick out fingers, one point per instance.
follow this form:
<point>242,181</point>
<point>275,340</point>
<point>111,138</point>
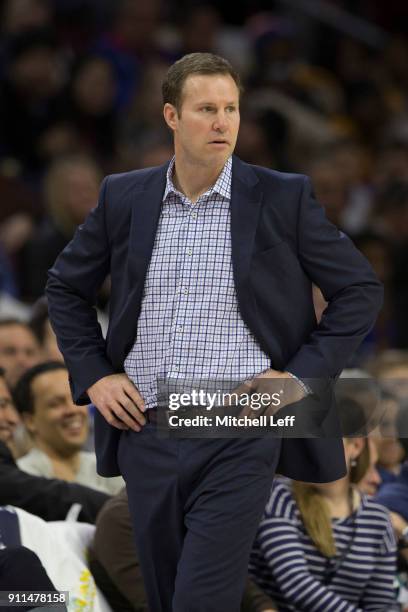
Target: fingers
<point>126,417</point>
<point>133,393</point>
<point>132,411</point>
<point>243,389</point>
<point>119,402</point>
<point>112,420</point>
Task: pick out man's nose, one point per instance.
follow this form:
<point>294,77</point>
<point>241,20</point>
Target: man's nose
<point>70,408</point>
<point>12,416</point>
<point>25,360</point>
<point>220,122</point>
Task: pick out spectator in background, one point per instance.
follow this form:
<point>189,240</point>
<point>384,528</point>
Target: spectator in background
<point>90,107</point>
<point>19,349</point>
<point>71,191</point>
<point>391,211</point>
<point>354,163</point>
<point>21,15</point>
<point>9,418</point>
<point>138,129</point>
<point>391,161</point>
<point>376,247</point>
<point>330,186</point>
<point>113,558</point>
<point>199,29</point>
<point>22,570</point>
<point>367,106</point>
<point>312,538</point>
<point>40,324</point>
<point>391,218</point>
<point>391,371</point>
<point>50,499</point>
<point>30,97</point>
<point>129,44</point>
<point>58,428</point>
<point>253,143</point>
<point>390,451</point>
<point>371,480</point>
<point>8,283</point>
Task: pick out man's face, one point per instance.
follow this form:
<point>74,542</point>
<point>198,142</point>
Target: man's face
<point>206,128</point>
<point>19,351</point>
<point>9,418</point>
<point>57,424</point>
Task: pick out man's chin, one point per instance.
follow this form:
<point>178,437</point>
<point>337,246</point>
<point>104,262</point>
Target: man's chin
<point>6,437</point>
<point>218,157</point>
<point>74,444</point>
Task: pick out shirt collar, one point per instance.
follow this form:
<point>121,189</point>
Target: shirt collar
<point>222,186</point>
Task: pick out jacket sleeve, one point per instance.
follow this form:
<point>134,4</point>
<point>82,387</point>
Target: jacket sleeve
<point>349,285</point>
<point>72,287</point>
<point>48,498</point>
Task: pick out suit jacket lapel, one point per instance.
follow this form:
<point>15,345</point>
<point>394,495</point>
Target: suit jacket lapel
<point>146,205</point>
<point>246,200</point>
<point>246,203</point>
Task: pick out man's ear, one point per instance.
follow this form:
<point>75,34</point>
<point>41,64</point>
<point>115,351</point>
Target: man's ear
<point>170,115</point>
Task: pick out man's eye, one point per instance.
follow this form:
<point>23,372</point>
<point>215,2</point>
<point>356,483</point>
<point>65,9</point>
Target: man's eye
<point>9,351</point>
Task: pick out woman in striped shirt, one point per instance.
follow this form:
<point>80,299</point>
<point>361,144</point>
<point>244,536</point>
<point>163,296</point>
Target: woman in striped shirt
<point>326,548</point>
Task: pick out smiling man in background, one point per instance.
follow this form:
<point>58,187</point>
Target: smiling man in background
<point>58,428</point>
<point>9,419</point>
<point>51,499</point>
<point>212,262</point>
<point>19,349</point>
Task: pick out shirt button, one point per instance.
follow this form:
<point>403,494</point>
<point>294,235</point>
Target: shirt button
<point>194,215</point>
<point>179,328</point>
<point>189,251</point>
<point>184,290</point>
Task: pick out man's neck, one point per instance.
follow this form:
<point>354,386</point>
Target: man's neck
<point>194,179</point>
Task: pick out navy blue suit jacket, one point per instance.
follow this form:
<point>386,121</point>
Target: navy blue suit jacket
<point>281,243</point>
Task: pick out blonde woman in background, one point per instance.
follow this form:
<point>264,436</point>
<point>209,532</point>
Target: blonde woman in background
<point>326,547</point>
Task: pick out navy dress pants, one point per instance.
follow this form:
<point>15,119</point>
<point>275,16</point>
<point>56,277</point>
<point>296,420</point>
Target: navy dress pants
<point>195,506</point>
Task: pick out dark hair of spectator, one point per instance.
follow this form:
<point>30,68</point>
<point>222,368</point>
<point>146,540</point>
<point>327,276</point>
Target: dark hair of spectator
<point>25,42</point>
<point>22,394</point>
<point>194,63</point>
<point>39,318</point>
<point>393,197</point>
<point>369,237</point>
<point>2,372</point>
<point>9,321</point>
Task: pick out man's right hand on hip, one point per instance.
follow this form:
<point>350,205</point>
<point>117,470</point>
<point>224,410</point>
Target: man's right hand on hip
<point>119,401</point>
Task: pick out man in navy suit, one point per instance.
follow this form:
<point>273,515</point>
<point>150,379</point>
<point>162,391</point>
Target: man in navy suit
<point>211,262</point>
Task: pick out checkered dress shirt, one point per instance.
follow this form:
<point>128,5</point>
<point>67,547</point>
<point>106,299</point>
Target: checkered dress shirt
<point>189,325</point>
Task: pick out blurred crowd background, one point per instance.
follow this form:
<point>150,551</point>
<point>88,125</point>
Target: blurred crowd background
<point>326,94</point>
